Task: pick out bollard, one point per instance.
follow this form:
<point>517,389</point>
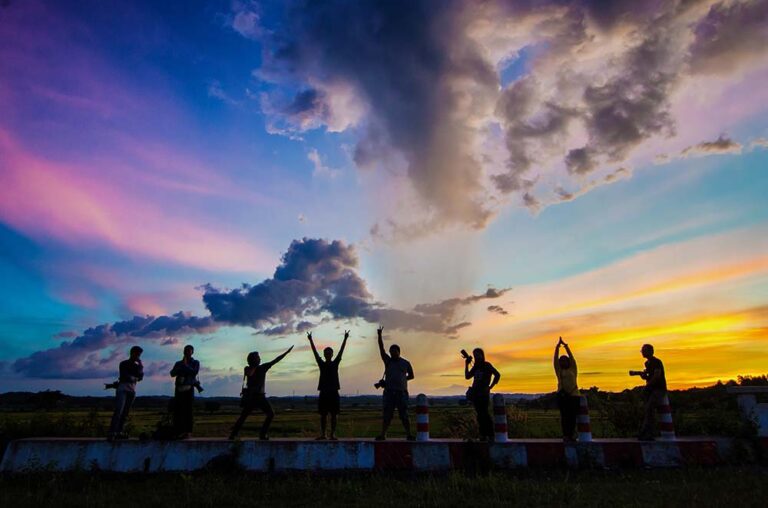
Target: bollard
<point>666,427</point>
<point>422,418</point>
<point>585,430</point>
<point>500,419</point>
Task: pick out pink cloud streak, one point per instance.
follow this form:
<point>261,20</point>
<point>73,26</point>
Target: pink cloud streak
<point>47,199</point>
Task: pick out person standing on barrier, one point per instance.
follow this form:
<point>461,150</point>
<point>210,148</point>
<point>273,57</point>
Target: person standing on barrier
<point>655,390</point>
<point>568,394</point>
<point>397,373</point>
<point>131,372</point>
<point>185,371</point>
<point>254,394</point>
<point>328,401</point>
<point>484,377</point>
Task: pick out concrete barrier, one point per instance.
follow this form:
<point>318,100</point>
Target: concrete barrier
<point>351,455</point>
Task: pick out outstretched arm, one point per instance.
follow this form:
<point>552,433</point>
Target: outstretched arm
<point>496,377</point>
<point>555,362</point>
<point>270,364</point>
<point>343,345</point>
<point>314,349</point>
<point>384,355</point>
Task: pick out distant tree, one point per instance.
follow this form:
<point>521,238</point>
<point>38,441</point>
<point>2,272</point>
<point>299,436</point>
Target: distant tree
<point>753,380</point>
<point>212,406</point>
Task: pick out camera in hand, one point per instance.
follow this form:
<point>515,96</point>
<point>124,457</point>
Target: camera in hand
<point>465,355</point>
<point>635,372</point>
<point>111,386</point>
<point>381,383</point>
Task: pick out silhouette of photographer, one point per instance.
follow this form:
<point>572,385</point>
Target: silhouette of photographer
<point>131,372</point>
<point>484,377</point>
<point>185,371</point>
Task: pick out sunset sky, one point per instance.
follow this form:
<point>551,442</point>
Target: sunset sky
<point>232,174</point>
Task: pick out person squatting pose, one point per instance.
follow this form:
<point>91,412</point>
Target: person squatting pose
<point>484,377</point>
<point>254,394</point>
<point>328,385</point>
<point>568,395</point>
<point>131,372</point>
<point>397,373</point>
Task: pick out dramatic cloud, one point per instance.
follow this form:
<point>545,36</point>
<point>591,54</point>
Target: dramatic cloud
<point>595,81</point>
<point>722,144</point>
<point>93,354</point>
<point>730,35</point>
<point>316,281</point>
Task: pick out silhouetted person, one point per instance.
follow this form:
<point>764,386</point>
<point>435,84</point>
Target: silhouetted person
<point>568,395</point>
<point>254,393</point>
<point>655,390</point>
<point>185,371</point>
<point>397,373</point>
<point>131,372</point>
<point>329,401</point>
<point>484,377</point>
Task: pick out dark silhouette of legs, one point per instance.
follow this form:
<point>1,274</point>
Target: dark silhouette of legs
<point>402,412</point>
<point>123,402</point>
<point>648,427</point>
<point>247,409</point>
<point>323,425</point>
<point>269,414</point>
<point>182,412</point>
<point>333,426</point>
<point>480,402</point>
<point>389,403</point>
<point>569,410</point>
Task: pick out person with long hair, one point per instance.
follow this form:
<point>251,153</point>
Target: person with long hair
<point>484,377</point>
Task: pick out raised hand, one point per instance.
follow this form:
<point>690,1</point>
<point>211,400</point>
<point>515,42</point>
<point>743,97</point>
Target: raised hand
<point>346,334</point>
<point>379,330</point>
<point>309,336</point>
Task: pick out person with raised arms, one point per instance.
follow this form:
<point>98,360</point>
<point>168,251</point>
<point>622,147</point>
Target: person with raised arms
<point>397,373</point>
<point>254,394</point>
<point>568,395</point>
<point>328,385</point>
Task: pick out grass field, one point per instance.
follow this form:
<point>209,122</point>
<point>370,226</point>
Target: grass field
<point>743,487</point>
<point>301,420</point>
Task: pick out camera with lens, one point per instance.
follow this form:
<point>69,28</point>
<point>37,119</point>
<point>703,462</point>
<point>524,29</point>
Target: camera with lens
<point>636,372</point>
<point>111,386</point>
<point>465,355</point>
<point>381,383</point>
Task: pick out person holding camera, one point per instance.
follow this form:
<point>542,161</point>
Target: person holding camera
<point>655,390</point>
<point>131,372</point>
<point>328,385</point>
<point>254,394</point>
<point>397,373</point>
<point>568,395</point>
<point>185,371</point>
<point>484,377</point>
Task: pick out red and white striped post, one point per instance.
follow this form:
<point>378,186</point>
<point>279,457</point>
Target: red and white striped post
<point>667,428</point>
<point>500,419</point>
<point>422,418</point>
<point>582,422</point>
